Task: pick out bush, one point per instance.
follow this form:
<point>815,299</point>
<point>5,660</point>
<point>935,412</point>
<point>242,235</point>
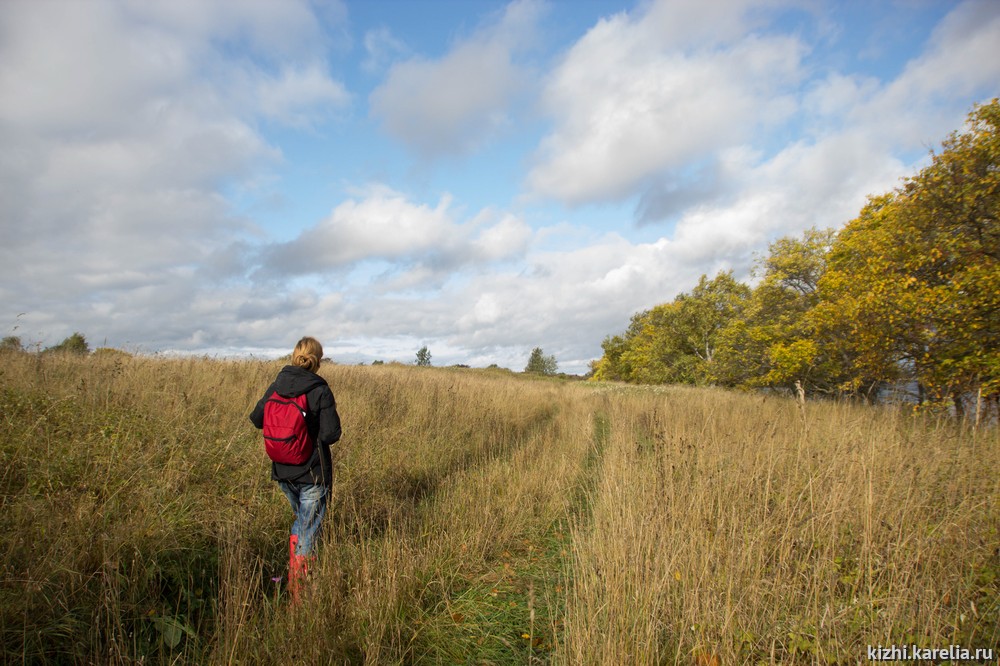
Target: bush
<point>11,343</point>
<point>74,344</point>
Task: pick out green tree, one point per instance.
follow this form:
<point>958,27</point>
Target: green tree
<point>541,364</point>
<point>423,356</point>
<point>656,352</point>
<point>74,344</point>
<point>703,314</point>
<point>675,342</point>
<point>615,363</point>
<point>609,366</point>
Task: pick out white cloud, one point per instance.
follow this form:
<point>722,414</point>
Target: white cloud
<point>452,105</point>
<point>121,122</point>
<point>822,183</point>
<point>635,118</point>
<point>275,31</point>
<point>382,47</point>
<point>384,225</point>
<point>628,103</point>
<point>857,127</point>
<point>555,299</point>
<point>300,95</point>
<point>508,238</point>
<point>71,67</point>
<point>833,99</point>
<point>931,96</point>
<point>962,54</point>
<point>566,301</point>
<point>683,24</point>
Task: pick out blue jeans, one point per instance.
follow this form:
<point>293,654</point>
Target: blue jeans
<point>309,504</point>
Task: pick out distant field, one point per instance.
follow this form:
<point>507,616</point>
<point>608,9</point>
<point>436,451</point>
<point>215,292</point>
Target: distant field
<point>484,517</point>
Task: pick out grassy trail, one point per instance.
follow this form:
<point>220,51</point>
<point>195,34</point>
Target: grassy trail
<point>480,517</point>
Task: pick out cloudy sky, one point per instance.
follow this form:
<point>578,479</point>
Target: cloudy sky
<point>479,177</point>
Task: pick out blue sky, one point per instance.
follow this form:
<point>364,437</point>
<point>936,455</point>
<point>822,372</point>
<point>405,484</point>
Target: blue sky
<point>479,177</point>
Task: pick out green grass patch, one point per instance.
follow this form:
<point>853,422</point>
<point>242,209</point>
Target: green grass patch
<point>510,611</point>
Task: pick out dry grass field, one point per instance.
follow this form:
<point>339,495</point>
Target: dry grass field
<point>484,517</point>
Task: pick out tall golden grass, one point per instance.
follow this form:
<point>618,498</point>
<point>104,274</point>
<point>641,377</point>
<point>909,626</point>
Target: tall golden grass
<point>484,517</point>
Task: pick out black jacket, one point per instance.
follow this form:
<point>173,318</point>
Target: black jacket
<point>322,421</point>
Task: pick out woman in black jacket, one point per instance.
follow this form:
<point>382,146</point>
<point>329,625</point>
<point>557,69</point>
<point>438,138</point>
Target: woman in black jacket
<point>306,483</point>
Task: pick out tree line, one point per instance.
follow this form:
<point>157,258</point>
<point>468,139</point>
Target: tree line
<point>538,363</point>
<point>907,294</point>
<point>73,344</point>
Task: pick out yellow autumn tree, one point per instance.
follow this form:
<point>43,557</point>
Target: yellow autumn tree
<point>773,343</point>
<point>912,289</point>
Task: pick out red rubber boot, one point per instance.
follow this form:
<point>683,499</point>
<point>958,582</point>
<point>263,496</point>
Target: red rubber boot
<point>294,569</point>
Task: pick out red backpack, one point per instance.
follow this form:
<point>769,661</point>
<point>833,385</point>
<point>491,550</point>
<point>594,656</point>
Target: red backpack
<point>286,437</point>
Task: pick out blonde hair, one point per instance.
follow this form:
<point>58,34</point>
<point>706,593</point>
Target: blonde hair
<point>308,353</point>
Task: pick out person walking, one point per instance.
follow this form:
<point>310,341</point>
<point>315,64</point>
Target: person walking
<point>298,415</point>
